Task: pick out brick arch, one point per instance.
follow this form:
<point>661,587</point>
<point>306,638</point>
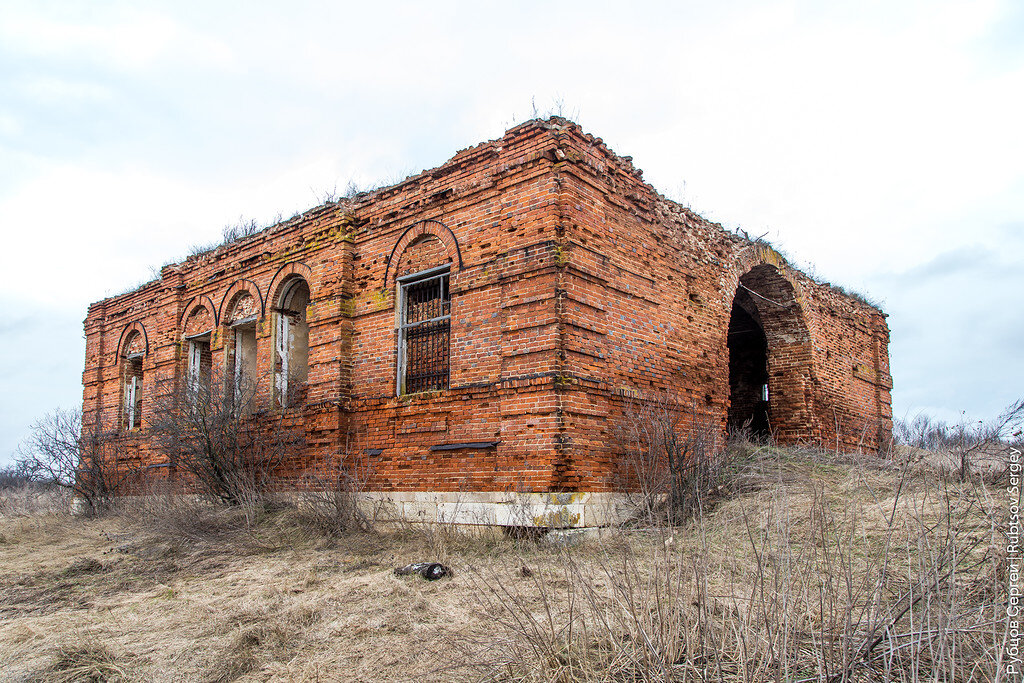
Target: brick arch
<point>284,274</point>
<point>126,333</point>
<point>416,232</point>
<point>239,287</point>
<point>758,254</point>
<point>195,302</point>
<point>768,295</point>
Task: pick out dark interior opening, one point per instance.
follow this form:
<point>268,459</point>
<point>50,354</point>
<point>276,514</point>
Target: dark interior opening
<point>748,369</point>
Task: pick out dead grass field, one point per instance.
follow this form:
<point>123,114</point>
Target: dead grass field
<point>268,606</point>
<point>791,576</point>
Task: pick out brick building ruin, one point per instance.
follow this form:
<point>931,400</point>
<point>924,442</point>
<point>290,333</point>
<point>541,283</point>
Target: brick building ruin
<point>470,336</point>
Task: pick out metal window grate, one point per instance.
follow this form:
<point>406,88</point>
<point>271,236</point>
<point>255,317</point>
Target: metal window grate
<point>425,332</point>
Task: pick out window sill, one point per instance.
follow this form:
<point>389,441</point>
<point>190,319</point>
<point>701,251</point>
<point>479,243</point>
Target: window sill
<point>425,395</point>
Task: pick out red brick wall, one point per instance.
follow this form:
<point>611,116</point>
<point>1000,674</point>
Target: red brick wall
<point>573,285</point>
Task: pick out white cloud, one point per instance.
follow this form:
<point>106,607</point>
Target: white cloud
<point>119,38</point>
<point>867,138</point>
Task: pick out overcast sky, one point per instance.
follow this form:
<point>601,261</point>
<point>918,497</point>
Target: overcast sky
<point>879,144</point>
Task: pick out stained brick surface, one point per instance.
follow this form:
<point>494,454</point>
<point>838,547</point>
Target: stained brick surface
<point>574,287</point>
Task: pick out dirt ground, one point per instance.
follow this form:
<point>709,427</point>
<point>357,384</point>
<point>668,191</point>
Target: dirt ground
<point>130,598</point>
<point>297,610</point>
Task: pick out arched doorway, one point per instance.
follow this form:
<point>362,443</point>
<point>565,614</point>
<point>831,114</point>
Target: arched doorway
<point>748,369</point>
<point>770,375</point>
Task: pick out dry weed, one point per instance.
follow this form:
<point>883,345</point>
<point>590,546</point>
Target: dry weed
<point>85,662</point>
<point>816,567</point>
<point>31,500</point>
<point>840,570</point>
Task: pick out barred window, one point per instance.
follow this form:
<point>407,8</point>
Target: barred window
<point>424,326</point>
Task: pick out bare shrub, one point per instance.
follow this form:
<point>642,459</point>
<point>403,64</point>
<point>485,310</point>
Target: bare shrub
<point>673,459</point>
<point>221,434</point>
<point>20,496</point>
<point>326,195</point>
<point>198,250</point>
<point>901,582</point>
<point>330,498</point>
<point>33,499</point>
<point>13,477</point>
<point>90,464</point>
<point>966,443</point>
<point>183,520</point>
<point>196,529</point>
<point>239,230</point>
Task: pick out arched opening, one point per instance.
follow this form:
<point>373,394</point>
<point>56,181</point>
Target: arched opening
<point>423,312</point>
<point>291,367</point>
<point>748,369</point>
<point>241,345</point>
<point>132,354</point>
<point>770,376</point>
<point>197,335</point>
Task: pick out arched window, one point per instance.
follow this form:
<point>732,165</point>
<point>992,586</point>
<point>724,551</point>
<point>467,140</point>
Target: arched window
<point>132,354</point>
<point>197,336</point>
<point>423,263</point>
<point>292,358</point>
<point>242,317</point>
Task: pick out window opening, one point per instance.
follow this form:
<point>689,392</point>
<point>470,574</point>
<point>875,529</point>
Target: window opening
<point>133,391</point>
<point>424,331</point>
<point>292,344</point>
<point>200,363</point>
<point>244,358</point>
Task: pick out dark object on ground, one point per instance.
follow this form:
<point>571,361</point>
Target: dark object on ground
<point>525,572</point>
<point>428,570</point>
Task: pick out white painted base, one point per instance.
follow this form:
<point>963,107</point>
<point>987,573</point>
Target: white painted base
<point>480,508</point>
<point>551,510</point>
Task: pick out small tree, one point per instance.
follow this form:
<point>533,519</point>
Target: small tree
<point>83,460</point>
<point>221,434</point>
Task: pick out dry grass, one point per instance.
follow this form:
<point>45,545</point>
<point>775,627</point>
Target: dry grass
<point>792,578</point>
<point>84,661</point>
<point>274,602</point>
<point>835,569</point>
<point>31,500</point>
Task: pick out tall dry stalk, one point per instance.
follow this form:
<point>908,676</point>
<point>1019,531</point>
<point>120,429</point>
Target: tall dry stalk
<point>898,576</point>
<point>673,459</point>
